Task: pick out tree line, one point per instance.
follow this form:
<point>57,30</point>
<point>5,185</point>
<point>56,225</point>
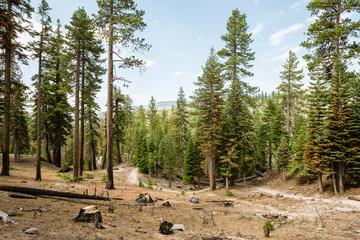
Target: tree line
<point>227,130</point>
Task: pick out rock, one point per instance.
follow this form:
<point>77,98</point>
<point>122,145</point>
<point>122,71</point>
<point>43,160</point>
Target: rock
<point>291,188</point>
<point>313,199</point>
<point>179,227</point>
<point>121,238</point>
<point>320,229</point>
<point>194,199</point>
<point>30,230</point>
<point>6,218</point>
<point>279,195</point>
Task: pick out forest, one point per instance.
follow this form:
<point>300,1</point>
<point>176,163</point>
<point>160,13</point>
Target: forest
<point>226,129</point>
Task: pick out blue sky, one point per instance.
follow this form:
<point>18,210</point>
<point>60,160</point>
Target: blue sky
<point>182,32</point>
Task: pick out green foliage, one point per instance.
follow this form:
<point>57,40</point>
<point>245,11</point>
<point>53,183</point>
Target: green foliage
<point>141,184</point>
<point>229,192</point>
<point>104,178</point>
<point>141,154</point>
<point>193,159</point>
<point>182,192</point>
<point>150,182</point>
<point>268,227</point>
<point>89,176</point>
<point>70,178</point>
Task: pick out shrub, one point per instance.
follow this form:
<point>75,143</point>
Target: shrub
<point>228,192</point>
<point>268,227</point>
<point>141,184</point>
<point>89,176</point>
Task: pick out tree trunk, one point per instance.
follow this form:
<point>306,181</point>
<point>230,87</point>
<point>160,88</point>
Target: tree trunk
<point>76,162</point>
<point>110,102</point>
<point>211,162</point>
<point>284,174</point>
<point>104,160</point>
<point>57,155</point>
<point>38,117</point>
<point>169,170</point>
<point>82,118</point>
<point>321,188</point>
<point>341,179</point>
<point>119,159</point>
<point>227,182</point>
<point>48,154</point>
<point>93,154</point>
<point>7,94</point>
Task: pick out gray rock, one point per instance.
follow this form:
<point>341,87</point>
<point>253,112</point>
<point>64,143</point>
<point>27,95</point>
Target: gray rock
<point>179,227</point>
<point>31,231</point>
<point>194,199</point>
<point>279,195</point>
<point>6,218</point>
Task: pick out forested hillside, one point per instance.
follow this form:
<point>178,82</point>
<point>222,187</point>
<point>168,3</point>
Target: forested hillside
<point>227,128</point>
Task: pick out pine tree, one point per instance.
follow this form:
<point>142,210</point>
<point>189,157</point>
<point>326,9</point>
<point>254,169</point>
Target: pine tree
<point>192,163</point>
<point>237,52</point>
<point>14,15</point>
<point>56,87</point>
<point>119,20</point>
<point>329,37</point>
<point>209,99</point>
<point>181,124</point>
<point>290,87</point>
<point>119,121</point>
<point>41,48</point>
<point>19,120</point>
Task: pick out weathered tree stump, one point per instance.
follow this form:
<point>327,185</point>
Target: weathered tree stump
<point>165,228</point>
<point>144,199</point>
<point>90,214</point>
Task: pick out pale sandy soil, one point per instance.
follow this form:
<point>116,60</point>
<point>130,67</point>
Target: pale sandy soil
<point>300,214</point>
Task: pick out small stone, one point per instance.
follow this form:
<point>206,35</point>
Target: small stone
<point>194,199</point>
<point>31,231</point>
<point>279,195</point>
<point>179,227</point>
<point>291,188</point>
<point>313,199</point>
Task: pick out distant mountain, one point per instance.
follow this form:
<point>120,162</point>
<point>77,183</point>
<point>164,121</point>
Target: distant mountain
<point>163,105</point>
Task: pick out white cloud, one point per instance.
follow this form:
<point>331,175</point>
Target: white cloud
<point>157,22</point>
<point>277,37</point>
<point>258,28</point>
<point>284,55</point>
<point>176,74</point>
<point>295,5</point>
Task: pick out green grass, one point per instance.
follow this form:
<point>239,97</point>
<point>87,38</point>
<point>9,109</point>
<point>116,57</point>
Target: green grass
<point>89,176</point>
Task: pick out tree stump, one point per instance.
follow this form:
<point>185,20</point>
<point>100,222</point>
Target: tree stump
<point>90,214</point>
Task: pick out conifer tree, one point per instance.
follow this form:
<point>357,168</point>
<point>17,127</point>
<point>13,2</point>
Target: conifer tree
<point>19,120</point>
<point>209,99</point>
<point>290,87</point>
<point>41,48</point>
<point>119,20</point>
<point>56,87</point>
<point>119,121</point>
<point>14,15</point>
<point>329,38</point>
<point>193,159</point>
<point>181,124</point>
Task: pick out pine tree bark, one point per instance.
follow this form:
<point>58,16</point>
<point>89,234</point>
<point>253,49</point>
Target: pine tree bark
<point>110,102</point>
<point>82,119</point>
<point>76,163</point>
<point>321,188</point>
<point>211,162</point>
<point>38,117</point>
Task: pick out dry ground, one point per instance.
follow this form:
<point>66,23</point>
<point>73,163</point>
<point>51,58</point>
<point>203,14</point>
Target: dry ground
<point>300,213</point>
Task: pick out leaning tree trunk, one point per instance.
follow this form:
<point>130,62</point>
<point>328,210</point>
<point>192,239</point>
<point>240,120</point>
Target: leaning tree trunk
<point>110,102</point>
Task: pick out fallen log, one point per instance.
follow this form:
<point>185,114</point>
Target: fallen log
<point>39,192</point>
<point>355,198</point>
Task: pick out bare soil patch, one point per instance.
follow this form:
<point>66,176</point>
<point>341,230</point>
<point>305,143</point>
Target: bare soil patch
<point>296,211</point>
